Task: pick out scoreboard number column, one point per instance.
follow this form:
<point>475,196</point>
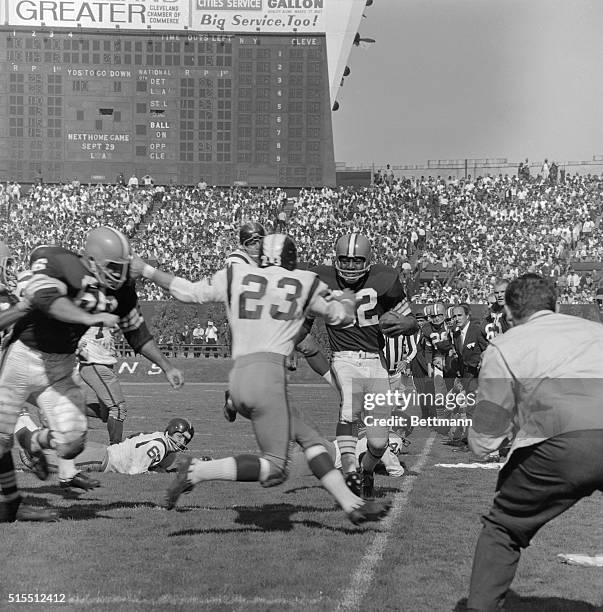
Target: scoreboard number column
<point>279,106</point>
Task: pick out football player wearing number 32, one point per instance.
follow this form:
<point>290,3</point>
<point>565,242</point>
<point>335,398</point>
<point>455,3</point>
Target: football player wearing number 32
<point>266,307</point>
<point>357,360</point>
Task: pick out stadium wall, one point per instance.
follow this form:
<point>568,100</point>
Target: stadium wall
<point>460,168</point>
<point>157,311</point>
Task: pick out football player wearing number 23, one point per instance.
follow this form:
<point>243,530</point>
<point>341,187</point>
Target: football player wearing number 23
<point>266,307</point>
<point>357,362</point>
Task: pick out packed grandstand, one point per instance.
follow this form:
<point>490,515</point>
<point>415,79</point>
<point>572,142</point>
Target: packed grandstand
<point>449,239</point>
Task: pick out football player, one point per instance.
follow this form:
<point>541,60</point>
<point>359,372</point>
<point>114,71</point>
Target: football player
<point>139,453</point>
<point>266,307</point>
<point>68,294</point>
<point>357,348</point>
<point>437,345</point>
<point>250,237</point>
<point>97,358</point>
<point>496,322</point>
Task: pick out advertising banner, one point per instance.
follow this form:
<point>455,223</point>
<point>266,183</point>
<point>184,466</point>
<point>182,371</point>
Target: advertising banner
<point>267,16</point>
<point>127,14</point>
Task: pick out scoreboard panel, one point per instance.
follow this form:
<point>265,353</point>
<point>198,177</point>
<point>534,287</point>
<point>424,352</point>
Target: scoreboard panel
<point>181,107</point>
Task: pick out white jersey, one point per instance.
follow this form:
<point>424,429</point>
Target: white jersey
<point>389,460</point>
<point>266,307</point>
<point>240,256</point>
<point>138,454</point>
<point>97,346</point>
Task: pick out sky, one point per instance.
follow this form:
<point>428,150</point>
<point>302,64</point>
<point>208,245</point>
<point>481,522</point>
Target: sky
<point>455,79</point>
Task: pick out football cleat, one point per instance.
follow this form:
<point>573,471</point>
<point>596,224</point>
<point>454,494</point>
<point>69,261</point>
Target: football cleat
<point>16,510</point>
<point>368,484</point>
<point>370,512</point>
<point>230,412</point>
<point>80,481</point>
<point>34,462</point>
<point>353,481</point>
<point>180,432</point>
<point>278,250</point>
<point>181,484</point>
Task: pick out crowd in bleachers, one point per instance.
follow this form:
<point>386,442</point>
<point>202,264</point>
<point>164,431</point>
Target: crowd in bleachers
<point>471,231</point>
<point>63,214</point>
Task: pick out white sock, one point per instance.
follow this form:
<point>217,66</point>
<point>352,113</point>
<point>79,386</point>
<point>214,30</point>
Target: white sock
<point>67,469</point>
<point>217,469</point>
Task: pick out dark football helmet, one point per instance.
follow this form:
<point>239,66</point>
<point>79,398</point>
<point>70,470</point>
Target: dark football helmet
<point>278,250</point>
<point>40,252</point>
<point>250,236</point>
<point>180,432</point>
<point>251,233</point>
<point>352,257</point>
<point>107,252</point>
<point>8,276</point>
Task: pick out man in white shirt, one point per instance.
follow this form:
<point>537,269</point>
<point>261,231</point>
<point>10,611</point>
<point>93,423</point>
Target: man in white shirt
<point>541,385</point>
<point>211,339</point>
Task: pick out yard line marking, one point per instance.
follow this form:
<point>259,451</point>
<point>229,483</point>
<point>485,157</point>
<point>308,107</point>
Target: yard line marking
<point>199,601</point>
<point>363,576</point>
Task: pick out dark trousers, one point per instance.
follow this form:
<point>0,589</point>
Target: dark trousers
<point>538,483</point>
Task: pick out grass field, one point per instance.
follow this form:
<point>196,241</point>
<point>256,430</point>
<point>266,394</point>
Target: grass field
<point>241,547</point>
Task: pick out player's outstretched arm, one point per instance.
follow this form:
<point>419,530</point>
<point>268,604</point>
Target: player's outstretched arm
<point>151,351</point>
<point>139,267</point>
<point>339,311</point>
<point>201,292</point>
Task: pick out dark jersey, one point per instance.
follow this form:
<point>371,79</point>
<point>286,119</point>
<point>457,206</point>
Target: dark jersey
<point>494,324</point>
<point>61,273</point>
<point>377,292</point>
<point>436,341</point>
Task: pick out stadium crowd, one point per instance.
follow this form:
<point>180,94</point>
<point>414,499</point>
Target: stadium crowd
<point>470,231</point>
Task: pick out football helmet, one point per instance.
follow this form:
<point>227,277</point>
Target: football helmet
<point>180,432</point>
<point>250,236</point>
<point>428,311</point>
<point>8,277</point>
<point>278,250</point>
<point>108,253</point>
<point>39,252</point>
<point>348,249</point>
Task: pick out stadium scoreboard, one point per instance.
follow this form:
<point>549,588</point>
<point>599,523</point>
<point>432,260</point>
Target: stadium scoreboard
<point>248,109</point>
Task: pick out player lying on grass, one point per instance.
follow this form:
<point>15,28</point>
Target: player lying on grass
<point>266,307</point>
<point>137,454</point>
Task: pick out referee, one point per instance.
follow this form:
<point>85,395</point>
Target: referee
<point>541,385</point>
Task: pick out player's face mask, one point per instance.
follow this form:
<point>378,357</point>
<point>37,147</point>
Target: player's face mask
<point>351,269</point>
<point>252,246</point>
<point>111,274</point>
